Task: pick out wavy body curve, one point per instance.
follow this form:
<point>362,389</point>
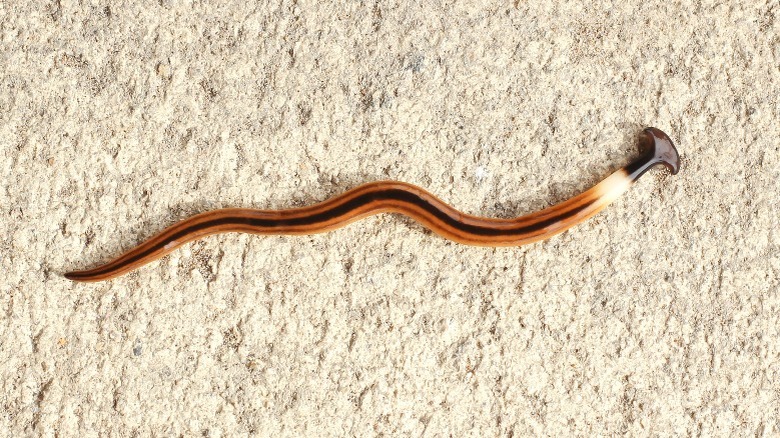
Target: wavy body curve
<point>396,197</point>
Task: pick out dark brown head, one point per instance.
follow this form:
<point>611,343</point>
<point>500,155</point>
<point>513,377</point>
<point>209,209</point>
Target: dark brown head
<point>657,144</point>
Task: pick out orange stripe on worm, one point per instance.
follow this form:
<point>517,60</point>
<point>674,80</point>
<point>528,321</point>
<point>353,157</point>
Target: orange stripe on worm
<point>403,198</point>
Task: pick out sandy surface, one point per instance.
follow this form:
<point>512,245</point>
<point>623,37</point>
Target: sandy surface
<point>659,316</point>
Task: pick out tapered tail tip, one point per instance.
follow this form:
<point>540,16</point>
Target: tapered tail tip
<point>77,276</point>
<point>71,276</point>
<point>660,146</point>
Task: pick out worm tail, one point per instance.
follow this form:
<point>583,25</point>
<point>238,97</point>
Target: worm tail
<point>366,200</point>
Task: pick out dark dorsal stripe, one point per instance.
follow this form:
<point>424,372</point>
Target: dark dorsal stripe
<point>345,208</point>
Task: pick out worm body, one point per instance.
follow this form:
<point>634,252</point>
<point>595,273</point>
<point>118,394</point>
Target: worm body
<point>397,197</point>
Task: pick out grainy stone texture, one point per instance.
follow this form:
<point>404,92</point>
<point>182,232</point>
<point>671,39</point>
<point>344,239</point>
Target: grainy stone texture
<point>659,316</point>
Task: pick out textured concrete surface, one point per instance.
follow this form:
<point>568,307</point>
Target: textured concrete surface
<point>659,316</point>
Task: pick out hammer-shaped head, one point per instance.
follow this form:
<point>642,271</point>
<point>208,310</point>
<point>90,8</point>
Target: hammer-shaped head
<point>657,144</point>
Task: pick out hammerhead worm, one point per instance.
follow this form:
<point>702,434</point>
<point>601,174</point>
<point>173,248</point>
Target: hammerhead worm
<point>398,197</point>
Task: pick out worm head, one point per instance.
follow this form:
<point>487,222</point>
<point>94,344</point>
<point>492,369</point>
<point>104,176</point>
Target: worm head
<point>657,144</point>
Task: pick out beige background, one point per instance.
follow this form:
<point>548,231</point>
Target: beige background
<point>659,316</point>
